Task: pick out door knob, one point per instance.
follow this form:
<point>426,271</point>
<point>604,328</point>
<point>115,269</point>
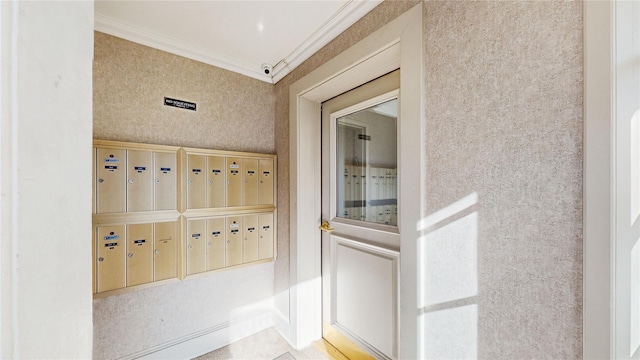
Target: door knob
<point>326,227</point>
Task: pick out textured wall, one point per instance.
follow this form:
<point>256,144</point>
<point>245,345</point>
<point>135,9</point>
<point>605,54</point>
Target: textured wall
<point>234,113</point>
<point>504,121</point>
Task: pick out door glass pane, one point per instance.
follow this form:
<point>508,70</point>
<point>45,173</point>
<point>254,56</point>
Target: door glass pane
<point>367,163</point>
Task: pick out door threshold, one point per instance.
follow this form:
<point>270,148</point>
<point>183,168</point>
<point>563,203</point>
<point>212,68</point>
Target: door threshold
<point>329,350</point>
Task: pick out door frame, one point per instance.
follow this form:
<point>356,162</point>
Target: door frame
<point>606,285</point>
<point>398,44</point>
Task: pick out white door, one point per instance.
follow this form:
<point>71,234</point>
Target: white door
<point>360,239</point>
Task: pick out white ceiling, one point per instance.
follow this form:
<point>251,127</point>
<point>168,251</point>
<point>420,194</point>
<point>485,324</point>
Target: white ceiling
<point>237,35</point>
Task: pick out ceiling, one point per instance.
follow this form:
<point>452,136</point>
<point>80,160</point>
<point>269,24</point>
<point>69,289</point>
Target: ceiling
<point>237,35</point>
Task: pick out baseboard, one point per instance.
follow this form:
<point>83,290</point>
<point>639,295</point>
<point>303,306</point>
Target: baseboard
<point>207,340</point>
<point>281,323</point>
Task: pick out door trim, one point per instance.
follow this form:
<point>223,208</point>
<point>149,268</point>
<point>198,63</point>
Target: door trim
<point>606,282</point>
<point>397,44</point>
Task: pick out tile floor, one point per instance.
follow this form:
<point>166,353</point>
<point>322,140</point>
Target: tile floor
<point>265,345</point>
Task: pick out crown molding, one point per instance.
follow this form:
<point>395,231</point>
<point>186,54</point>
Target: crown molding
<point>334,26</point>
<point>140,35</point>
<point>351,12</point>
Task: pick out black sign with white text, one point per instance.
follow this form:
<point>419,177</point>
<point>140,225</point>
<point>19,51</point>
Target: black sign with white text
<point>180,104</point>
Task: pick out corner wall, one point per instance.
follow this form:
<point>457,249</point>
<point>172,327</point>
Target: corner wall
<point>234,112</point>
<point>45,179</point>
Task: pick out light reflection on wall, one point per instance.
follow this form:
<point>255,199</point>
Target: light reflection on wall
<point>448,281</point>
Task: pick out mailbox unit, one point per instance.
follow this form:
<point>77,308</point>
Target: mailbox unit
<point>218,242</point>
<point>163,213</point>
<point>213,179</point>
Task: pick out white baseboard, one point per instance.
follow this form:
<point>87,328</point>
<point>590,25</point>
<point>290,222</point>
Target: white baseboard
<point>207,340</point>
<point>281,323</point>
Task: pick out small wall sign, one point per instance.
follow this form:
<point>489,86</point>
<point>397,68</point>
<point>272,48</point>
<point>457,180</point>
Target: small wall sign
<point>180,104</point>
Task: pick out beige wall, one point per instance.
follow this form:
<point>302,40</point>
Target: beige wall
<point>504,95</point>
<point>234,112</point>
<point>504,121</point>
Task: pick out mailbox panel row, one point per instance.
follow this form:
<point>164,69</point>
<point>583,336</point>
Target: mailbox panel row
<point>214,181</point>
<point>219,242</point>
<point>141,189</point>
<point>135,254</point>
<point>134,180</point>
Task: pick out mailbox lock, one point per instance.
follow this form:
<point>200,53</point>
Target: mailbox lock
<point>157,181</point>
<point>209,244</point>
<point>190,247</point>
<point>228,241</point>
<point>228,182</point>
<point>210,182</point>
<point>101,259</point>
<point>157,251</point>
<point>190,181</point>
<point>130,255</point>
<point>100,181</point>
<point>130,181</point>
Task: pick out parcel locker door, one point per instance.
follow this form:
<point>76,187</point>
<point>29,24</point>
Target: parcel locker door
<point>164,260</point>
<point>111,181</point>
<point>139,181</point>
<point>216,182</point>
<point>250,181</point>
<point>265,242</point>
<point>196,255</point>
<point>196,181</point>
<point>111,254</point>
<point>234,181</point>
<point>234,240</point>
<point>215,243</point>
<point>165,181</point>
<point>250,238</point>
<point>265,186</point>
<point>139,254</point>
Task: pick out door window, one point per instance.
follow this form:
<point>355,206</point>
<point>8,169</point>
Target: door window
<point>367,164</point>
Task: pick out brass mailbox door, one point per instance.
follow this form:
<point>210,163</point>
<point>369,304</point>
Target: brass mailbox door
<point>234,181</point>
<point>250,239</point>
<point>165,181</point>
<point>216,237</point>
<point>196,181</point>
<point>265,185</point>
<point>111,181</point>
<point>216,182</point>
<point>165,260</point>
<point>196,255</point>
<point>139,254</point>
<point>250,181</point>
<point>139,181</point>
<point>234,241</point>
<point>265,241</point>
<point>110,254</point>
